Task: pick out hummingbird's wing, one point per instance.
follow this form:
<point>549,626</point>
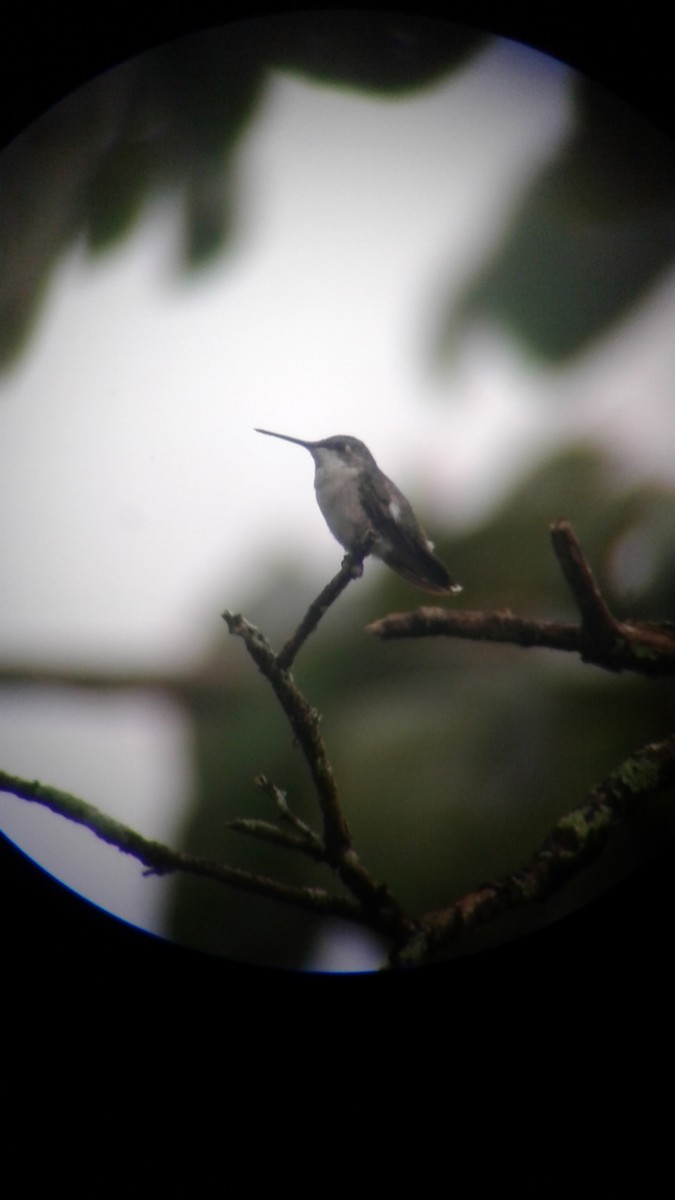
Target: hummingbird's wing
<point>402,542</point>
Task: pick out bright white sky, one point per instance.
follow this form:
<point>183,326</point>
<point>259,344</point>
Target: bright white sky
<point>137,501</point>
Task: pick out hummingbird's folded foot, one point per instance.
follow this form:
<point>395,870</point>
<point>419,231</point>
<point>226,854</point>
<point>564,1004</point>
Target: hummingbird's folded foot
<point>360,550</point>
<point>355,565</point>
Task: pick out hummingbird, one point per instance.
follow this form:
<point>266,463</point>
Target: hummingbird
<point>357,499</point>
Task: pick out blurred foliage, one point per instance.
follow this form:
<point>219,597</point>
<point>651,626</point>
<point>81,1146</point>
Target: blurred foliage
<point>591,236</point>
<point>454,759</point>
<point>171,120</point>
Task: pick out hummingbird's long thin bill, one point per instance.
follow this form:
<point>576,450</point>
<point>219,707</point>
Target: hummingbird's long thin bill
<point>284,437</point>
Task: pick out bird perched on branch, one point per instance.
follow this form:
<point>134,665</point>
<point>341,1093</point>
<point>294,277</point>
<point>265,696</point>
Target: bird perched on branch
<point>359,502</point>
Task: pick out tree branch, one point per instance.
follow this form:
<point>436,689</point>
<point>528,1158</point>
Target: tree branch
<point>191,688</point>
<point>162,860</point>
<point>600,638</point>
<point>304,838</point>
<point>352,568</point>
<point>597,621</point>
<point>577,839</point>
<point>313,841</point>
<point>265,831</point>
<point>304,721</point>
<point>340,853</point>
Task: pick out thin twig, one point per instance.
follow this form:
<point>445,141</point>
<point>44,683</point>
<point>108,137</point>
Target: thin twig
<point>351,568</point>
<point>286,812</point>
<point>477,627</point>
<point>267,832</point>
<point>596,619</point>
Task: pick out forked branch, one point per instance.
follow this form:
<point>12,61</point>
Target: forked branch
<point>599,637</point>
<point>162,860</point>
<point>336,846</point>
<point>576,839</point>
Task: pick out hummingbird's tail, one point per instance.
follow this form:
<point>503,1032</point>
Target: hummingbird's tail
<point>430,575</point>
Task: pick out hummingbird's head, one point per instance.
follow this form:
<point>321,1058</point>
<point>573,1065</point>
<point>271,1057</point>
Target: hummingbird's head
<point>341,448</point>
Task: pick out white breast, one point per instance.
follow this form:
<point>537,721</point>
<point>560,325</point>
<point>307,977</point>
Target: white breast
<point>337,494</point>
